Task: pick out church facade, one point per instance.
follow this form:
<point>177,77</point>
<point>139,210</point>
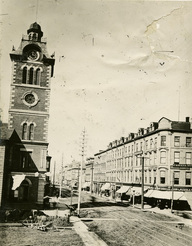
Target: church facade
<point>26,160</point>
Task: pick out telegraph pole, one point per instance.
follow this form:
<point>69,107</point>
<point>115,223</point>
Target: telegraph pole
<point>142,183</point>
<point>81,168</point>
<point>61,177</point>
<point>54,173</point>
<point>172,199</point>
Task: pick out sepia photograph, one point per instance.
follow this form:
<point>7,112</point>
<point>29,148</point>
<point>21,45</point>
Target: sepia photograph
<point>95,123</point>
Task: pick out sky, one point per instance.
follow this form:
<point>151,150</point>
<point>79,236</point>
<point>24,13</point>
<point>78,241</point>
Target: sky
<point>119,66</point>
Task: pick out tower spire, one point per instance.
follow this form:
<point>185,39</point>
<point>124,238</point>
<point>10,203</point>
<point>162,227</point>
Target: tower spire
<point>37,6</point>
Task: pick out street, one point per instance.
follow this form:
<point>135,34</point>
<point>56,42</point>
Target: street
<point>125,226</point>
<point>116,223</point>
<point>122,225</point>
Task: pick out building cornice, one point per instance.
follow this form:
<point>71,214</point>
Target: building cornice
<point>31,86</point>
<point>144,136</point>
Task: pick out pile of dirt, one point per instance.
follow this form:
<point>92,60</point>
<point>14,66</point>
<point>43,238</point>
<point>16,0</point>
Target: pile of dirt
<point>15,215</point>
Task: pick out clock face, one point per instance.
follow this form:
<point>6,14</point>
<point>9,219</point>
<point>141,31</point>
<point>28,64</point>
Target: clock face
<point>33,55</point>
<point>29,98</point>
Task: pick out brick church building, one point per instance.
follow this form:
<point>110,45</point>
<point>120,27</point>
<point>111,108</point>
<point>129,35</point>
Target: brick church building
<point>24,160</point>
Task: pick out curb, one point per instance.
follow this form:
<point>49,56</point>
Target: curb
<point>89,238</point>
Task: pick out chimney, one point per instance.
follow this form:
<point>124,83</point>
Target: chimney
<point>187,119</point>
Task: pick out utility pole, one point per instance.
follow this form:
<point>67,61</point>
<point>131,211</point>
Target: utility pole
<point>172,199</point>
<point>61,177</point>
<point>81,168</point>
<point>142,183</point>
<point>54,173</point>
<point>179,104</point>
<point>91,176</point>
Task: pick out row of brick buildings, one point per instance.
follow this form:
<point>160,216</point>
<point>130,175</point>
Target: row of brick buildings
<point>166,149</point>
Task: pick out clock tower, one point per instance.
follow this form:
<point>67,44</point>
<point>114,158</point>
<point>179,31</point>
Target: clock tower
<point>32,69</point>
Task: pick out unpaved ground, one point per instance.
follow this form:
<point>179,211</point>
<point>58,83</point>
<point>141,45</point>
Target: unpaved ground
<point>124,226</point>
<point>25,236</point>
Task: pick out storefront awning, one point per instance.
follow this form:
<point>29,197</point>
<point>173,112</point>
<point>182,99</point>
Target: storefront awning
<point>188,195</point>
<point>158,194</point>
<point>136,191</point>
<point>123,189</point>
<point>106,186</point>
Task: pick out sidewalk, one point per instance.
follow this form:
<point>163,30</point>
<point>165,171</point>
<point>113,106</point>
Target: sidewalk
<point>89,238</point>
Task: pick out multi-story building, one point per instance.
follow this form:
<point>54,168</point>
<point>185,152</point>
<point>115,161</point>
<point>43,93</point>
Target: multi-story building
<point>166,148</point>
<point>26,159</point>
<point>73,173</point>
<point>88,185</point>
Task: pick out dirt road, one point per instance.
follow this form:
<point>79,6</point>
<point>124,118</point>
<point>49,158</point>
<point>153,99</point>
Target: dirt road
<point>124,226</point>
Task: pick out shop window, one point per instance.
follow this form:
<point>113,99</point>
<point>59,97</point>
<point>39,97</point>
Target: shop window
<point>176,178</point>
<point>188,178</point>
<point>176,141</point>
<point>163,140</point>
<point>176,157</point>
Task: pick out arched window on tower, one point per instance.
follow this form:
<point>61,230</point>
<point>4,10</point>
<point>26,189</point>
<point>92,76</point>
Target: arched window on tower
<point>31,76</point>
<point>37,76</point>
<point>31,131</point>
<point>24,77</point>
<point>24,131</point>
